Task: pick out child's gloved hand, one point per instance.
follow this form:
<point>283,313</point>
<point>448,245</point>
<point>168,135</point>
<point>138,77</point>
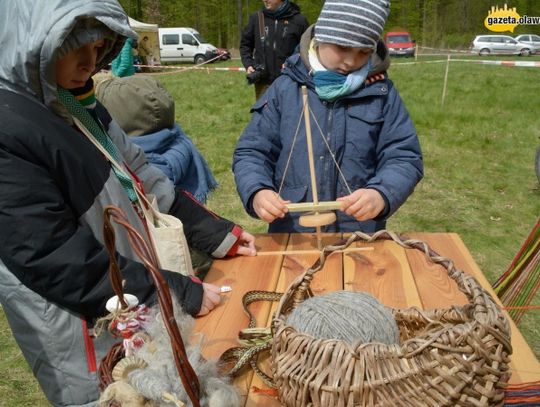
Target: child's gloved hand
<point>269,206</point>
<point>363,204</point>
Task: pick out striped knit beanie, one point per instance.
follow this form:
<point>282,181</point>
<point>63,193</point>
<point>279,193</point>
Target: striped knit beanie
<point>352,23</point>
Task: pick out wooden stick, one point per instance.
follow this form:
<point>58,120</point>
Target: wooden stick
<point>314,193</point>
<point>322,206</point>
<point>311,251</point>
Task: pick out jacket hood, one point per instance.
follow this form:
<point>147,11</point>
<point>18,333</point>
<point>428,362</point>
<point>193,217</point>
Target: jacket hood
<point>35,34</point>
<point>380,60</point>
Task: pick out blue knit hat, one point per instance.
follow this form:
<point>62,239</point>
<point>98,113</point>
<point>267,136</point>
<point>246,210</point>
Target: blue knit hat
<point>352,23</point>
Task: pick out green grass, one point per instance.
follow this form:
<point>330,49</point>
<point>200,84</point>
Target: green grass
<point>479,167</point>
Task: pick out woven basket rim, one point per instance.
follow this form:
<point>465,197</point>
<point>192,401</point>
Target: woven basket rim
<point>448,356</point>
<point>279,325</point>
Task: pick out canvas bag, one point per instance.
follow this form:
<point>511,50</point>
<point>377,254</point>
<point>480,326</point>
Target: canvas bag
<point>166,232</point>
<point>167,235</point>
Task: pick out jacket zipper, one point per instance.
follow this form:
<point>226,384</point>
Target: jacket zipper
<point>275,33</point>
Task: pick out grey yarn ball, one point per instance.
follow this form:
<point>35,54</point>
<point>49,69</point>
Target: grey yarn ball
<point>353,317</point>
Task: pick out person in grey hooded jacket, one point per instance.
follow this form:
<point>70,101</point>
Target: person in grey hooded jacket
<point>55,185</point>
<point>366,151</point>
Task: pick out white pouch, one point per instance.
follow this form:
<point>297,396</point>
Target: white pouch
<point>167,235</point>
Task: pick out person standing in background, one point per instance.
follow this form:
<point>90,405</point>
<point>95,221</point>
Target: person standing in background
<point>144,51</point>
<point>270,37</point>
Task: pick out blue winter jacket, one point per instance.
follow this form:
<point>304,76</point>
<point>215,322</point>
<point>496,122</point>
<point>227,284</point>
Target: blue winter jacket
<point>173,152</point>
<point>369,132</point>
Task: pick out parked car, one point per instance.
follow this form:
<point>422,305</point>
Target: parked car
<point>399,43</point>
<point>499,44</point>
<point>182,44</point>
<point>224,54</point>
<point>532,39</point>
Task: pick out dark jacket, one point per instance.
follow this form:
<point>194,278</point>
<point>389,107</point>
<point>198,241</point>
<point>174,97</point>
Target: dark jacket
<point>369,132</point>
<point>282,35</point>
<point>75,182</point>
<point>53,265</point>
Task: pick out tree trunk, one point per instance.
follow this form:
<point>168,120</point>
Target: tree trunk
<point>239,20</point>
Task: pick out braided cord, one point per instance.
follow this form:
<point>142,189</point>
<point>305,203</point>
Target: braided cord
<point>254,340</point>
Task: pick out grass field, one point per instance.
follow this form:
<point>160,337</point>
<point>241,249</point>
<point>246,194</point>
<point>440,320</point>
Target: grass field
<point>479,166</point>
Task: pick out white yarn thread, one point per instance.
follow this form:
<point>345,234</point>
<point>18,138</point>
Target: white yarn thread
<point>216,390</point>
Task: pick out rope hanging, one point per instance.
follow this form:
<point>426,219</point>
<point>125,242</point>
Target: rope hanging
<point>321,135</point>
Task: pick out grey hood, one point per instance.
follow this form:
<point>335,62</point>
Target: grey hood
<point>35,33</point>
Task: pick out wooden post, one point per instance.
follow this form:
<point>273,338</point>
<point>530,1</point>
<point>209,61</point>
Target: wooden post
<point>445,80</point>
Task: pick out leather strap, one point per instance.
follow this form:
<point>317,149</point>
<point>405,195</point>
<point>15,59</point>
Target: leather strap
<point>262,37</point>
<point>261,27</point>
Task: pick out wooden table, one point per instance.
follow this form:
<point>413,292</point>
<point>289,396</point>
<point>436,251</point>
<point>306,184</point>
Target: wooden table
<point>398,277</point>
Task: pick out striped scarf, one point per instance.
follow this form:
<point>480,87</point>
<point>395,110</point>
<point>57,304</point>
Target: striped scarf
<point>331,85</point>
<point>86,95</point>
<point>80,104</point>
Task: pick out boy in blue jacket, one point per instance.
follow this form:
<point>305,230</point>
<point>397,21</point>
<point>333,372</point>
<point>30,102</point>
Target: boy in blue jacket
<point>366,151</point>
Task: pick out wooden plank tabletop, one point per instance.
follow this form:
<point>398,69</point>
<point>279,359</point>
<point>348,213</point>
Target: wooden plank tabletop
<point>398,277</point>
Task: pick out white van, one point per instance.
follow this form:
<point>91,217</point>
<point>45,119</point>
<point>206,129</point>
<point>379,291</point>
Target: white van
<point>181,44</point>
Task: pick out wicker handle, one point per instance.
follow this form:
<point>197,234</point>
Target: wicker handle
<point>147,255</point>
<point>483,304</point>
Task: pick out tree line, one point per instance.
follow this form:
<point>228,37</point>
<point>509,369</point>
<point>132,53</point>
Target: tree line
<point>432,23</point>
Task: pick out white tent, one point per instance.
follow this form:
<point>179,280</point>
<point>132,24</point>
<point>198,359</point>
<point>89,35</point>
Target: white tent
<point>150,31</point>
<point>143,27</point>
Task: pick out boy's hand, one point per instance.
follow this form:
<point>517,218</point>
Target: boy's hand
<point>247,245</point>
<point>269,206</point>
<point>210,298</point>
<point>363,204</point>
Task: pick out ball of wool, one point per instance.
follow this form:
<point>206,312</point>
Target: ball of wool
<point>353,317</point>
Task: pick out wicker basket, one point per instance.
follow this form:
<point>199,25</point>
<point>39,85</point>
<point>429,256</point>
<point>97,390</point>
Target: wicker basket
<point>146,253</point>
<point>447,357</point>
